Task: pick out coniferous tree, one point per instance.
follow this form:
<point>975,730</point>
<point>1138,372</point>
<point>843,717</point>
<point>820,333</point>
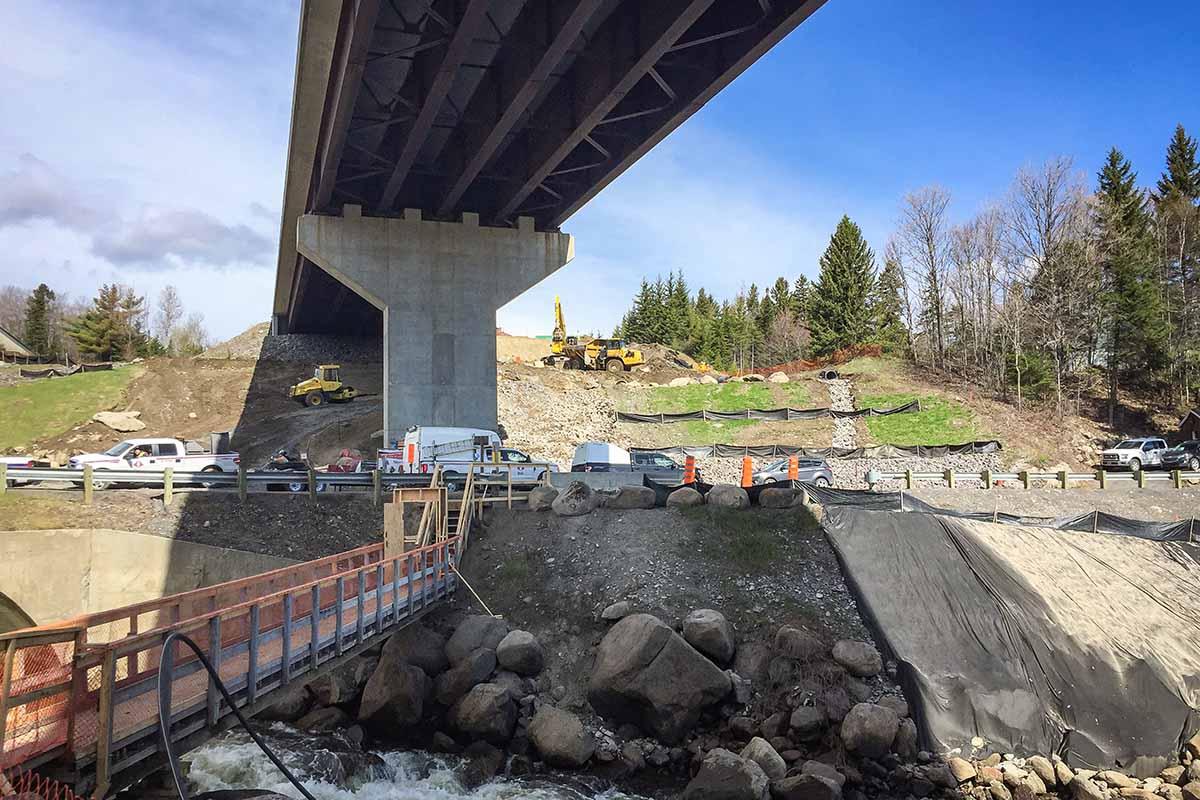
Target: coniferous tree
<point>1136,331</point>
<point>840,311</point>
<point>37,320</point>
<point>802,298</point>
<point>887,309</point>
<point>97,331</point>
<point>1182,178</point>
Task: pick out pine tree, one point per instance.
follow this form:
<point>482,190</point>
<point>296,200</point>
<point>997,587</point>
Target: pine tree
<point>1137,333</point>
<point>97,331</point>
<point>37,320</point>
<point>678,311</point>
<point>887,309</point>
<point>1182,178</point>
<point>802,297</point>
<point>840,311</point>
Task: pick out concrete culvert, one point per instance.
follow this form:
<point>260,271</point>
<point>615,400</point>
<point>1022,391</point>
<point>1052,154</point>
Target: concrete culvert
<point>828,375</point>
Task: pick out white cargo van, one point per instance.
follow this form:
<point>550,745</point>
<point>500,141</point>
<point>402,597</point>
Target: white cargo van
<point>454,450</point>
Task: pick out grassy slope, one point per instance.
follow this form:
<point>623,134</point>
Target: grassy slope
<point>48,406</point>
<point>885,383</point>
<point>723,397</point>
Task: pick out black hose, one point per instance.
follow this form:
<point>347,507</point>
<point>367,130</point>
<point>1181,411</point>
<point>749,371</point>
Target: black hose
<point>164,716</point>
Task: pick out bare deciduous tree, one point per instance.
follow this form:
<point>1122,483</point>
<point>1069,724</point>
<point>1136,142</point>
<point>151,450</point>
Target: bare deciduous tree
<point>923,237</point>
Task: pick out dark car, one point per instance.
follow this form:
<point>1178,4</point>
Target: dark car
<point>1184,456</point>
<point>659,467</point>
<point>296,481</point>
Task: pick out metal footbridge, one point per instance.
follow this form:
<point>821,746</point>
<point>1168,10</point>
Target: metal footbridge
<point>79,698</point>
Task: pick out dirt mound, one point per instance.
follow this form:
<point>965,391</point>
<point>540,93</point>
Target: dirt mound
<point>547,421</point>
<point>520,349</point>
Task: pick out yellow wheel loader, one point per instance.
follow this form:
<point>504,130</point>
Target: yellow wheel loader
<point>613,355</point>
<point>325,386</point>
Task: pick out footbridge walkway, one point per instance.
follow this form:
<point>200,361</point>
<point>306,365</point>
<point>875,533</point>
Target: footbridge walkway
<point>79,698</point>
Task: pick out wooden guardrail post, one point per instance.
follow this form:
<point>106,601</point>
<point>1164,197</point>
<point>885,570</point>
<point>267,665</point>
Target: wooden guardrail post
<point>242,482</point>
<point>986,476</point>
<point>312,483</point>
<point>1102,478</point>
<point>88,488</point>
<point>1141,479</point>
<point>3,489</point>
<point>1062,479</point>
<point>168,485</point>
<point>948,477</point>
<point>376,487</point>
<point>1024,475</point>
<point>509,472</point>
<point>908,479</point>
<point>1177,478</point>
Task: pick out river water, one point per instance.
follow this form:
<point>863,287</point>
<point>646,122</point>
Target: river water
<point>233,761</point>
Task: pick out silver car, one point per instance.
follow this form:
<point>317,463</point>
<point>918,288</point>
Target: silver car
<point>812,470</point>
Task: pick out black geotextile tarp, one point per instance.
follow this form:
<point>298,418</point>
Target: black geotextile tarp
<point>1036,640</point>
<point>776,450</point>
<point>776,414</point>
<point>56,372</point>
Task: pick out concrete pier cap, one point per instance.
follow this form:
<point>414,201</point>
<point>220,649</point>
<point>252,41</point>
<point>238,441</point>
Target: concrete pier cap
<point>438,285</point>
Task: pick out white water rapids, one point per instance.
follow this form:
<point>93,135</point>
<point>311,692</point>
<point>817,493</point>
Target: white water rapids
<point>235,762</point>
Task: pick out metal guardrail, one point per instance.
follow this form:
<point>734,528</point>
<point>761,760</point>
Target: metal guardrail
<point>1177,479</point>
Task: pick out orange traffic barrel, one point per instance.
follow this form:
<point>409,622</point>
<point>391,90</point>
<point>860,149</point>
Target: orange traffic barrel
<point>793,468</point>
<point>747,472</point>
<point>689,470</point>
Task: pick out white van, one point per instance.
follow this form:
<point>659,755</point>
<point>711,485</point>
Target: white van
<point>454,450</point>
<point>600,457</point>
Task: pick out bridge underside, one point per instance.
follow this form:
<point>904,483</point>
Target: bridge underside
<point>497,108</point>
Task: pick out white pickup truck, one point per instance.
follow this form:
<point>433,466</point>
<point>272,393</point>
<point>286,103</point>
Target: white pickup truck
<point>186,459</point>
<point>1134,454</point>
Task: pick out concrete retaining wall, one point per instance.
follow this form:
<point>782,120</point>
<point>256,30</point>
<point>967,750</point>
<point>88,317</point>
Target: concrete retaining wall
<point>56,574</point>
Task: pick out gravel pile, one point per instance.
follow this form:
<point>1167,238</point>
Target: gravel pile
<point>841,398</point>
<point>547,423</point>
<point>258,343</point>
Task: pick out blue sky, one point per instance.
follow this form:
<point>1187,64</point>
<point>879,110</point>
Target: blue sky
<point>145,142</point>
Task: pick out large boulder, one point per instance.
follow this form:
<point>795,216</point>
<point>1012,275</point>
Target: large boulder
<point>342,686</point>
<point>778,377</point>
<point>859,658</point>
<point>120,421</point>
<point>725,495</point>
<point>709,632</point>
<point>540,498</point>
<point>725,776</point>
<point>560,738</point>
<point>474,632</point>
<point>521,653</point>
<point>753,378</point>
<point>778,497</point>
<point>290,704</point>
<point>628,497</point>
<point>576,500</point>
<point>485,712</point>
<point>683,380</point>
<point>646,674</point>
<point>684,497</point>
<point>753,660</point>
<point>868,730</point>
<point>806,786</point>
<point>395,694</point>
<point>419,646</point>
<point>798,644</point>
<point>471,671</point>
<point>709,380</point>
<point>760,752</point>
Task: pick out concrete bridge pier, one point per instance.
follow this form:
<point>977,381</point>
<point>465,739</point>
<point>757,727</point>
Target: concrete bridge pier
<point>439,285</point>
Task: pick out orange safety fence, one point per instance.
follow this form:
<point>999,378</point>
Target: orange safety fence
<point>23,783</point>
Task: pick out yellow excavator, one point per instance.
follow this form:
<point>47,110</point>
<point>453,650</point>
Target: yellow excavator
<point>613,355</point>
<point>325,386</point>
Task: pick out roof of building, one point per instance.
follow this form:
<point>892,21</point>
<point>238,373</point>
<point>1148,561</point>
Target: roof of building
<point>11,345</point>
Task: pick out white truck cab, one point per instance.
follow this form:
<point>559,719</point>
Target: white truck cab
<point>1134,454</point>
